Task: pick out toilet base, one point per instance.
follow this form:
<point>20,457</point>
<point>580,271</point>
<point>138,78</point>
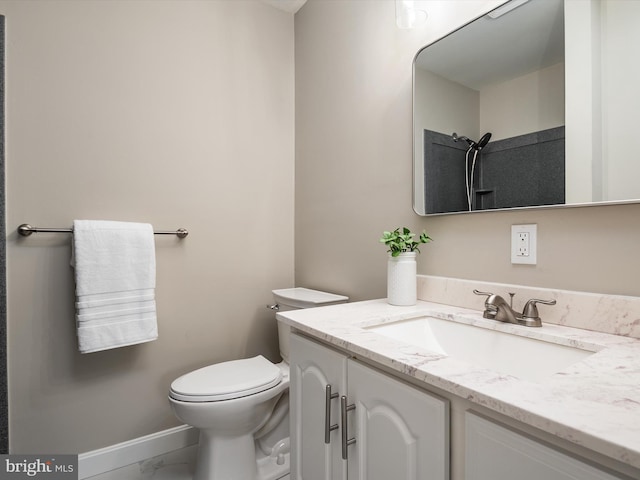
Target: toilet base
<point>214,456</point>
<point>213,459</point>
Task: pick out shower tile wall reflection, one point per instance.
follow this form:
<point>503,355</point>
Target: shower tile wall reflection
<point>515,172</point>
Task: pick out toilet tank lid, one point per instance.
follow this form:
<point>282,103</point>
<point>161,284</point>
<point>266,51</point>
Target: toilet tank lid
<point>306,298</point>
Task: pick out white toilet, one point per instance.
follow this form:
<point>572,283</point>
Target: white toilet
<point>241,407</point>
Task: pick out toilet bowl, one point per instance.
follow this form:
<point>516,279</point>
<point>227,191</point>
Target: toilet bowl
<point>241,406</point>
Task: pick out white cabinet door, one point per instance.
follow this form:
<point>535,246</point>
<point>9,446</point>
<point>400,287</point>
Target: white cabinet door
<point>494,452</point>
<point>313,367</point>
<point>401,432</point>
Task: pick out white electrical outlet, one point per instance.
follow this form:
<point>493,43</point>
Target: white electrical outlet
<point>523,244</point>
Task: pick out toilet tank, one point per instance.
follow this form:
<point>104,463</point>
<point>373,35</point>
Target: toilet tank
<point>297,298</point>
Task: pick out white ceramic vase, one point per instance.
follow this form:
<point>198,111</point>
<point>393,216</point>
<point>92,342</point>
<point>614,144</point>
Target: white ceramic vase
<point>401,279</point>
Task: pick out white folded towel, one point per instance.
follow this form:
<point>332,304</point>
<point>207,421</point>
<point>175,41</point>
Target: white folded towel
<point>115,271</point>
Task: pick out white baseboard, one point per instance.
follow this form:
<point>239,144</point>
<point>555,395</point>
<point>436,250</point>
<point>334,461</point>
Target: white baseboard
<point>136,450</point>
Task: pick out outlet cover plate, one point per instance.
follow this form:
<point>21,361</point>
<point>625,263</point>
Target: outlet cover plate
<point>524,244</point>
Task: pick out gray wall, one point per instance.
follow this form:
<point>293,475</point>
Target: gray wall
<point>176,113</point>
<point>353,171</point>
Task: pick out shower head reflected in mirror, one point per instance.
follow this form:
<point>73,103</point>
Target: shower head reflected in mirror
<point>476,146</point>
<point>483,141</point>
<point>470,167</point>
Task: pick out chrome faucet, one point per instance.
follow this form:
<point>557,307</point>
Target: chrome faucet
<point>497,308</point>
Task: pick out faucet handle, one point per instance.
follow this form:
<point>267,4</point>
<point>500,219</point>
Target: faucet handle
<point>531,310</point>
<point>490,310</point>
<point>478,292</point>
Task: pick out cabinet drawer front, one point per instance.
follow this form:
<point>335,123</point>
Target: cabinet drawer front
<point>494,452</point>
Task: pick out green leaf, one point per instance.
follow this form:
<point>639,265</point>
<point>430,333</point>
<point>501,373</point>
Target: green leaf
<point>403,242</point>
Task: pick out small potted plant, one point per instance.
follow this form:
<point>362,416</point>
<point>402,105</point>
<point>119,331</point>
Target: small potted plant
<point>401,271</point>
<point>403,242</point>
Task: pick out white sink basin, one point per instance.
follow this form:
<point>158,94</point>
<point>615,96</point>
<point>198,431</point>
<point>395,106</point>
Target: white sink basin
<point>526,358</point>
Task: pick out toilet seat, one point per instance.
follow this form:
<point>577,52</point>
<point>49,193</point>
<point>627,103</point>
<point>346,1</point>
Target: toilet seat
<point>227,380</point>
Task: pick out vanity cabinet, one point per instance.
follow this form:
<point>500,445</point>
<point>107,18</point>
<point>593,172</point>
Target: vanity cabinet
<point>498,453</point>
<point>350,421</point>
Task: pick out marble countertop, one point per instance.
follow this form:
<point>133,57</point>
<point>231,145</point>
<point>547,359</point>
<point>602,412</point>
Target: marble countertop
<point>594,403</point>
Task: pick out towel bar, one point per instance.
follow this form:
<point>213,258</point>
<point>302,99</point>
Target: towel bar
<point>25,230</point>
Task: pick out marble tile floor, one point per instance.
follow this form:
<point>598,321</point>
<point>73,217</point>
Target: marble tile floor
<point>177,465</point>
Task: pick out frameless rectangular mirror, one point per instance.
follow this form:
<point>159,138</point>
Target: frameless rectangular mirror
<point>531,105</point>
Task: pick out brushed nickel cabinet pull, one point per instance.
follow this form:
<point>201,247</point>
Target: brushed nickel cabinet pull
<point>328,428</point>
<point>346,441</point>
